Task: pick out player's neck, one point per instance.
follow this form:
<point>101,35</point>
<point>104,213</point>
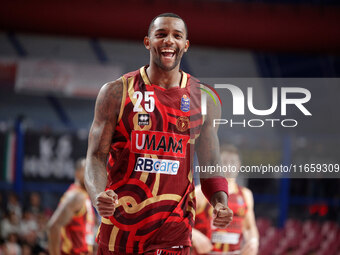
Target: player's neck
<point>77,183</point>
<point>232,185</point>
<point>162,78</point>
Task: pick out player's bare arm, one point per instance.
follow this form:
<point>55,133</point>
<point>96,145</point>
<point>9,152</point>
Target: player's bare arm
<point>200,241</point>
<point>251,233</point>
<point>208,153</point>
<point>105,118</point>
<point>72,203</point>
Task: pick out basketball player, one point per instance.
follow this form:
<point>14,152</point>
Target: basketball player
<point>227,241</point>
<point>141,143</point>
<point>70,229</point>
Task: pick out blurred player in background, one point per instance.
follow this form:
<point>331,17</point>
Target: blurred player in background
<point>70,229</point>
<point>241,236</point>
<point>141,145</point>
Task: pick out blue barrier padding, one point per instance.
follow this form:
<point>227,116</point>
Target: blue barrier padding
<point>45,187</point>
<point>56,105</point>
<point>5,185</point>
<point>99,51</point>
<point>19,48</point>
<point>19,157</point>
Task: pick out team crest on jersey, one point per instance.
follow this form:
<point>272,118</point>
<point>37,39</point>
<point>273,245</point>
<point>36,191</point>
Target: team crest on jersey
<point>240,200</point>
<point>143,119</point>
<point>241,211</point>
<point>182,123</point>
<point>185,103</point>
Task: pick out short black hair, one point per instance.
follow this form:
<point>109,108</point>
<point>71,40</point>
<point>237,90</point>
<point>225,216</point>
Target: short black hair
<point>167,14</point>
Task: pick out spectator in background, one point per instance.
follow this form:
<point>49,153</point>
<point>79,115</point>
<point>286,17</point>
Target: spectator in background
<point>41,232</point>
<point>13,205</point>
<point>10,225</point>
<point>28,224</point>
<point>11,246</point>
<point>26,249</point>
<point>34,205</point>
<point>32,240</point>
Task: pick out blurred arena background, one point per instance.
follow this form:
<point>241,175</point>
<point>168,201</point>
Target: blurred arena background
<point>55,55</point>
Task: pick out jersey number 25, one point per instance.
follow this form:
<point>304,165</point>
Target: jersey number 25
<point>149,104</point>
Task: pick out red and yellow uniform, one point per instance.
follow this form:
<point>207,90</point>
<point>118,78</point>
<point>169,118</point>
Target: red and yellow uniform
<point>229,239</point>
<point>203,221</point>
<point>150,164</point>
<point>77,236</point>
<point>225,241</point>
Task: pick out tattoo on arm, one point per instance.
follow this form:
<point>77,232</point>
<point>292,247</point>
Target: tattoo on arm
<point>208,149</point>
<point>100,137</point>
<point>207,146</point>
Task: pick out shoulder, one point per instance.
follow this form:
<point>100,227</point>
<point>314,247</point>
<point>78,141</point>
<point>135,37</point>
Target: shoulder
<point>112,87</point>
<point>201,201</point>
<point>75,198</point>
<point>193,79</point>
<point>133,73</point>
<point>110,96</point>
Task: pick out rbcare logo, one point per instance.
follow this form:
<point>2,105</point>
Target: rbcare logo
<point>290,97</point>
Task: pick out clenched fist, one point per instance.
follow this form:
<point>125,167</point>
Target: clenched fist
<point>222,216</point>
<point>106,202</point>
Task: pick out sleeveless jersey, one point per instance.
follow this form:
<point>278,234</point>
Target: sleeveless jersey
<point>150,164</point>
<point>203,221</point>
<point>226,241</point>
<point>229,239</point>
<point>77,236</point>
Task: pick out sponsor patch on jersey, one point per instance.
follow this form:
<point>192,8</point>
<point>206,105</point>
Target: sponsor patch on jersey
<point>152,165</point>
<point>225,237</point>
<point>159,143</point>
<point>143,119</point>
<point>185,103</point>
<point>182,123</point>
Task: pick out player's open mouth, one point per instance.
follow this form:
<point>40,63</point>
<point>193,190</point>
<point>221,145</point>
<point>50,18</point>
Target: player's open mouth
<point>168,53</point>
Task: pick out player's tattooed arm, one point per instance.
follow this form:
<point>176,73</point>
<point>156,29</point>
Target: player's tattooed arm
<point>208,153</point>
<point>107,109</point>
<point>207,145</point>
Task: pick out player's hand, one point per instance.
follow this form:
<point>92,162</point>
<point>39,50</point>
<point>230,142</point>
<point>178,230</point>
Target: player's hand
<point>106,202</point>
<point>251,247</point>
<point>222,216</point>
<point>201,243</point>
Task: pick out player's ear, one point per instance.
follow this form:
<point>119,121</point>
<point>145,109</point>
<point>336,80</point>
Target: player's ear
<point>187,44</point>
<point>147,42</point>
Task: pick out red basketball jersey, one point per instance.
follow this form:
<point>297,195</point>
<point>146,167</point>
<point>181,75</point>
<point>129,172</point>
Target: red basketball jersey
<point>229,239</point>
<point>203,221</point>
<point>77,236</point>
<point>150,165</point>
